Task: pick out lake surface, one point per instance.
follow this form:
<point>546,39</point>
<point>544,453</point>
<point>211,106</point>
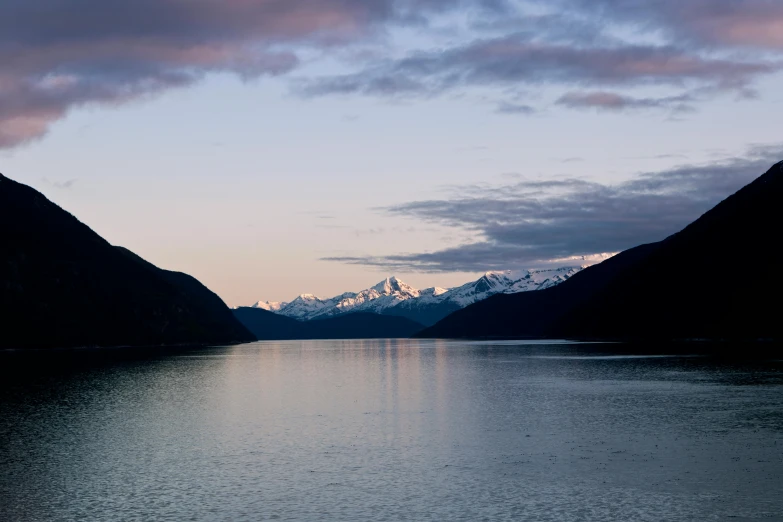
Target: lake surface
<point>390,430</point>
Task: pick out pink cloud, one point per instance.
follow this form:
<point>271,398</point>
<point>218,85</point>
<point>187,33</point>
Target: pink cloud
<point>60,54</point>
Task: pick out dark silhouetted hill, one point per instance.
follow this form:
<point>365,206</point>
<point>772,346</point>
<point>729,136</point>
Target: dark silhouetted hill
<point>639,293</point>
<point>267,325</point>
<point>62,285</point>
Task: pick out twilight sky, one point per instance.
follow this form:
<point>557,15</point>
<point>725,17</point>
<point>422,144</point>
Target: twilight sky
<point>275,147</point>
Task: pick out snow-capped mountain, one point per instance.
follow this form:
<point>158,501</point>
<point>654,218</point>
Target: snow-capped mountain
<point>436,303</point>
<point>386,294</point>
<point>393,297</point>
<point>508,282</point>
<point>308,306</point>
<point>271,306</point>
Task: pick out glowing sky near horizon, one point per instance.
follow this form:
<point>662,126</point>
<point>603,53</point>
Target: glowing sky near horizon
<point>274,148</point>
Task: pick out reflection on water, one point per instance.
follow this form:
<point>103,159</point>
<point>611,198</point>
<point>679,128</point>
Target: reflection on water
<point>390,430</point>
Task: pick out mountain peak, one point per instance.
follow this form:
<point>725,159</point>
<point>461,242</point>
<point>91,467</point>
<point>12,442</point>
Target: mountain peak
<point>392,285</point>
<point>271,306</point>
<point>307,297</point>
<point>392,292</point>
<point>434,291</point>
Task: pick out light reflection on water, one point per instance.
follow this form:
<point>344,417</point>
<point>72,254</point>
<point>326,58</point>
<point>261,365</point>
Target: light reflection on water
<point>390,430</point>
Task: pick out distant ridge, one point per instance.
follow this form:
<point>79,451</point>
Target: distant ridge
<point>62,285</point>
<point>638,294</point>
<point>266,325</point>
<point>394,297</point>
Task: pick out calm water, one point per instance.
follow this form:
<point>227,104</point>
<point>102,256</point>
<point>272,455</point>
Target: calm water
<point>389,430</point>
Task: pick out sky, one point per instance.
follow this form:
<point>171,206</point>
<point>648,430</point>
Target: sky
<point>277,147</point>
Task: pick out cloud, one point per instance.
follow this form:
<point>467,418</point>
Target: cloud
<point>61,54</point>
<point>611,101</point>
<point>684,48</point>
<point>755,24</point>
<point>63,185</point>
<point>514,60</point>
<point>515,108</point>
<point>29,105</point>
<point>538,223</point>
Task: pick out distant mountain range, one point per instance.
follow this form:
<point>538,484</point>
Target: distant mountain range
<point>62,285</point>
<point>640,294</point>
<point>393,297</point>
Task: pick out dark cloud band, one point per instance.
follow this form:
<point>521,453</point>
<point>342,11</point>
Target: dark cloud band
<point>518,60</point>
<point>538,223</point>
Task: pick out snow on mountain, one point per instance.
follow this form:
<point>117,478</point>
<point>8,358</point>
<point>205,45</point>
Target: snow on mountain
<point>272,306</point>
<point>392,285</point>
<point>431,295</point>
<point>509,282</point>
<point>308,306</point>
<point>391,293</point>
<point>385,294</point>
<point>541,279</point>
